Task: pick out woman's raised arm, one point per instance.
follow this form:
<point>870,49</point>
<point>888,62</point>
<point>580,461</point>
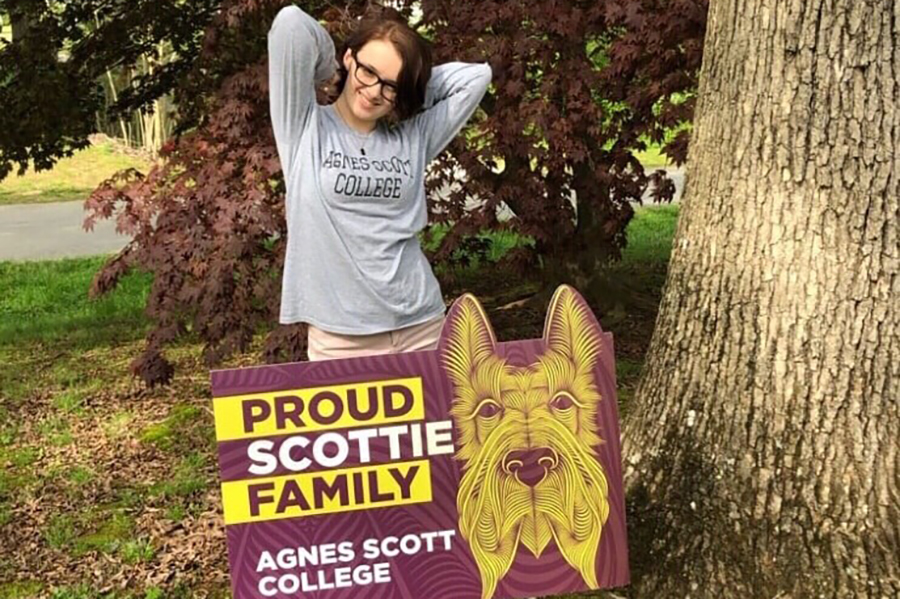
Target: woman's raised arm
<point>301,53</point>
<point>453,93</point>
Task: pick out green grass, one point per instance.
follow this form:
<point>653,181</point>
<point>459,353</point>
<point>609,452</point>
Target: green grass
<point>650,234</point>
<point>103,529</point>
<point>175,513</point>
<point>19,590</point>
<point>24,457</point>
<point>188,478</point>
<point>109,535</point>
<point>87,591</point>
<point>81,476</point>
<point>167,433</point>
<point>117,425</point>
<point>130,497</point>
<point>653,157</point>
<point>81,591</point>
<point>9,429</point>
<point>12,482</point>
<point>72,178</point>
<point>5,518</point>
<point>71,399</point>
<point>47,301</point>
<point>55,430</point>
<point>60,531</point>
<point>480,249</point>
<point>179,494</point>
<point>140,550</point>
<point>16,475</point>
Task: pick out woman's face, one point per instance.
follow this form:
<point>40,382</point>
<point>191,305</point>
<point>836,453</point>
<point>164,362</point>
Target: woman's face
<point>378,57</point>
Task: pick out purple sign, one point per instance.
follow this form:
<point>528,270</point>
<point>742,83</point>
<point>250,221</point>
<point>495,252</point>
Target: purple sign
<point>478,470</point>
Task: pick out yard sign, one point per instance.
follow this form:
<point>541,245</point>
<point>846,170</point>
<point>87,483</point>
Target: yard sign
<point>478,470</point>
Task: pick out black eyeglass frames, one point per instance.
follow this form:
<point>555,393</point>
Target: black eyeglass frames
<point>368,77</point>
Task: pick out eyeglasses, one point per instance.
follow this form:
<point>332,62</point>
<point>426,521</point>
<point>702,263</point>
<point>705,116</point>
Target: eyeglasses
<point>367,77</point>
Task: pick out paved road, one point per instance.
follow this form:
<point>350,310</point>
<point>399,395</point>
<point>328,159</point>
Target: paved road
<point>49,231</point>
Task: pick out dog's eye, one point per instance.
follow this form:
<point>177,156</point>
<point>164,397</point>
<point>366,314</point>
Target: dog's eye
<point>562,401</point>
<point>488,408</point>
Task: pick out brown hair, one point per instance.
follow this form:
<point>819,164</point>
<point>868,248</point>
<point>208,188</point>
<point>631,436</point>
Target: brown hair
<point>415,52</point>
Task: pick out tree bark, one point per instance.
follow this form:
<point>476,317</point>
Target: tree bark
<point>762,449</point>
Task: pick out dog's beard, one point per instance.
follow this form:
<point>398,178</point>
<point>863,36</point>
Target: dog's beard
<point>497,512</point>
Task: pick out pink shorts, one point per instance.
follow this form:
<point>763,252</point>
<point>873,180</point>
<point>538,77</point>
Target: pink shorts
<point>322,345</point>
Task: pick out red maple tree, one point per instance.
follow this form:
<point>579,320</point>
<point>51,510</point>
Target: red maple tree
<point>577,87</point>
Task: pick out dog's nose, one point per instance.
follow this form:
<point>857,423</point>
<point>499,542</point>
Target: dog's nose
<point>530,466</point>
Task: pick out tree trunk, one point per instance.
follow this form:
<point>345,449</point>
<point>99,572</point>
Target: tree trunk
<point>762,449</point>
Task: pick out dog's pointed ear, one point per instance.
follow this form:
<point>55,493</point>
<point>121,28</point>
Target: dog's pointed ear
<point>467,339</point>
<point>571,329</point>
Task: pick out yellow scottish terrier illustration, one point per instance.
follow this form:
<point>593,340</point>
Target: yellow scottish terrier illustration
<point>527,438</point>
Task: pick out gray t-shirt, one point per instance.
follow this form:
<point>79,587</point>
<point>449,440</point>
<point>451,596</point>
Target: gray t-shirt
<point>353,262</point>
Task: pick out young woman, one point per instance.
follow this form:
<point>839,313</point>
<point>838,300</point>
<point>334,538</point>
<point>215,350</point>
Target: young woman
<point>355,175</point>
